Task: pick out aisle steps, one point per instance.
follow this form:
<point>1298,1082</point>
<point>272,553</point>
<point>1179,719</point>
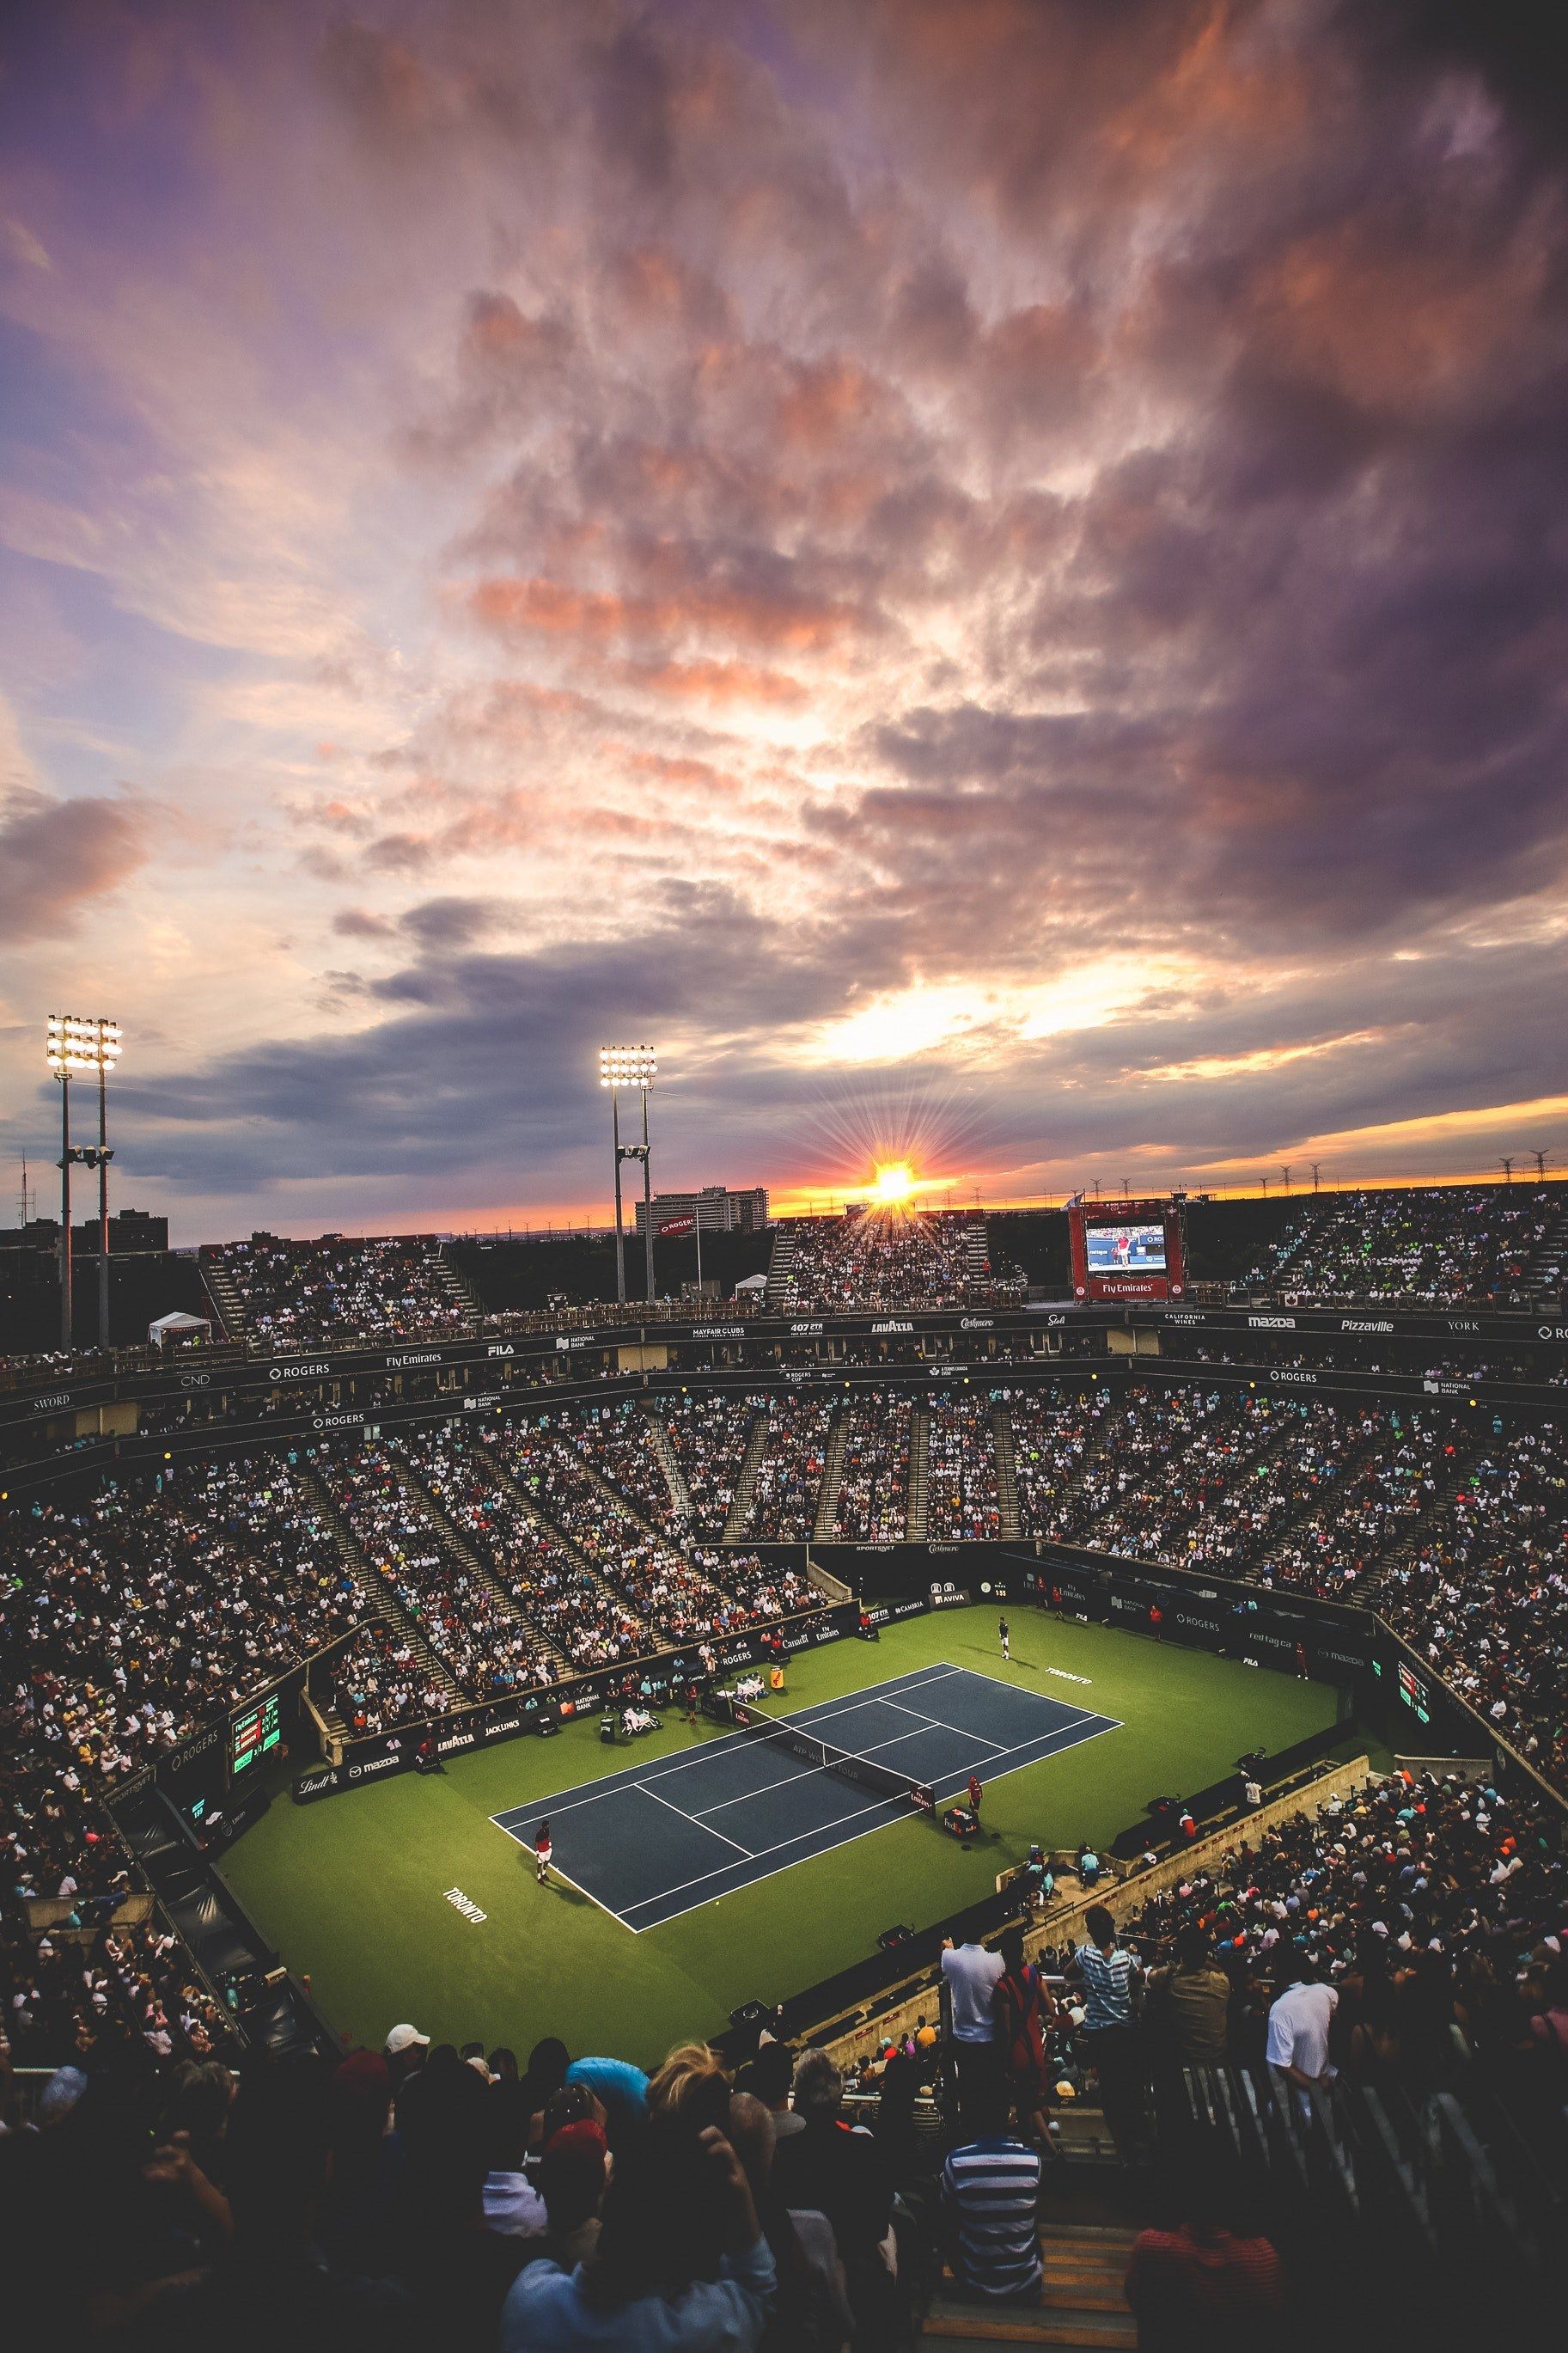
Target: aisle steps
<point>1082,2305</point>
<point>385,1603</point>
<point>832,1471</point>
<point>917,1510</point>
<point>1007,1473</point>
<point>463,1549</point>
<point>746,1484</point>
<point>669,1463</point>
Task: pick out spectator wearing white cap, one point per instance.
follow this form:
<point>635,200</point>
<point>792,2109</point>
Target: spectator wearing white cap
<point>406,2048</point>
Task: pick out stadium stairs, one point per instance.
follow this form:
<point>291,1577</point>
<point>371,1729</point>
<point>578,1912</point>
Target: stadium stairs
<point>456,1542</point>
<point>1300,1240</point>
<point>451,1284</point>
<point>832,1473</point>
<point>1422,1523</point>
<point>1093,1454</point>
<point>746,1484</point>
<point>658,1530</point>
<point>541,1519</point>
<point>977,1247</point>
<point>669,1463</point>
<point>223,1298</point>
<point>1546,1268</point>
<point>917,1513</point>
<point>781,1269</point>
<point>384,1602</point>
<point>1400,2219</point>
<point>1082,2306</point>
<point>1007,1473</point>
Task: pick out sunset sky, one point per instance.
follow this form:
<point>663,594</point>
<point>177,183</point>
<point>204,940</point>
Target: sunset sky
<point>990,575</point>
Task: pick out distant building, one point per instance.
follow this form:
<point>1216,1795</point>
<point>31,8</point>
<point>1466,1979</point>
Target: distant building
<point>716,1207</point>
<point>129,1230</point>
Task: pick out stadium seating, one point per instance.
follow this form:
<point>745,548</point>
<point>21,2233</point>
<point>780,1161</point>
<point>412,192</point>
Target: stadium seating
<point>1452,1245</point>
<point>335,1290</point>
<point>962,1496</point>
<point>879,1259</point>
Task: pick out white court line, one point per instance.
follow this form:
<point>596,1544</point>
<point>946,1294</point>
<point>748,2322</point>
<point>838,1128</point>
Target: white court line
<point>1108,1724</point>
<point>578,1888</point>
<point>926,1723</point>
<point>684,1817</point>
<point>825,1710</point>
<point>839,1820</point>
<point>617,1784</point>
<point>941,1724</point>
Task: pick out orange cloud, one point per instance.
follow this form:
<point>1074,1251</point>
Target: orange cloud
<point>553,609</point>
<point>714,681</point>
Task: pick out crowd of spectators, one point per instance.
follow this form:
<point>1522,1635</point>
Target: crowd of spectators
<point>78,1997</point>
<point>1484,1597</point>
<point>962,1498</point>
<point>1430,1912</point>
<point>871,1505</point>
<point>338,1289</point>
<point>588,1624</point>
<point>617,1442</point>
<point>1053,1433</point>
<point>142,1608</point>
<point>878,1258</point>
<point>711,1435</point>
<point>782,1505</point>
<point>1314,1493</point>
<point>1452,1245</point>
<point>378,1681</point>
<point>1407,1936</point>
<point>477,1637</point>
<point>675,1588</point>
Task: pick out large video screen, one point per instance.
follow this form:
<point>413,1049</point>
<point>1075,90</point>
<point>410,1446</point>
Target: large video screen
<point>253,1732</point>
<point>1125,1249</point>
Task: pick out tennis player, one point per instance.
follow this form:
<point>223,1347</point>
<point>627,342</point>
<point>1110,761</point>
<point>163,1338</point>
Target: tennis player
<point>1002,1629</point>
<point>542,1851</point>
<point>976,1793</point>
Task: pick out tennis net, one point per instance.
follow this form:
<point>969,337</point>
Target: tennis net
<point>843,1762</point>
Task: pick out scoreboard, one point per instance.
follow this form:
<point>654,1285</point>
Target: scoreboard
<point>252,1733</point>
<point>1126,1250</point>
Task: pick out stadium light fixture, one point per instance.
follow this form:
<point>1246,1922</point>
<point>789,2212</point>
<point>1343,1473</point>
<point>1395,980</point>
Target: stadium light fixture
<point>76,1042</point>
<point>630,1066</point>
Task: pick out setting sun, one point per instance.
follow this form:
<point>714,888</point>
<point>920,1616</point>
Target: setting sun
<point>894,1182</point>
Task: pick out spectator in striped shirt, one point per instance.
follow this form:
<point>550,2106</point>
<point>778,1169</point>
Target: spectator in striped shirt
<point>990,2198</point>
<point>1111,1978</point>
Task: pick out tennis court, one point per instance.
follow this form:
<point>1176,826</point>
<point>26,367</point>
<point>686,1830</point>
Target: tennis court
<point>658,1839</point>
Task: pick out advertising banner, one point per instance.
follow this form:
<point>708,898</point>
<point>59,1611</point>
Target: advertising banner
<point>653,1679</point>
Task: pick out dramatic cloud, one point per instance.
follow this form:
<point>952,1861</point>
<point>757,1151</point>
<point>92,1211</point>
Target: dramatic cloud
<point>999,553</point>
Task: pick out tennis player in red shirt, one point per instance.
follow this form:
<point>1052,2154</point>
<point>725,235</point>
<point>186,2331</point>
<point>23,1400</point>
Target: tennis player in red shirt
<point>542,1851</point>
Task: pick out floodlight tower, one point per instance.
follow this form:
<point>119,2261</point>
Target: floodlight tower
<point>74,1042</point>
<point>630,1066</point>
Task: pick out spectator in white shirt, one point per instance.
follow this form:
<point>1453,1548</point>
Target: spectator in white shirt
<point>1299,2021</point>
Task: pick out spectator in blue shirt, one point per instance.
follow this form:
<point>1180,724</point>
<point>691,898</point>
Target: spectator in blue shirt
<point>991,2198</point>
<point>1109,1978</point>
<point>681,2265</point>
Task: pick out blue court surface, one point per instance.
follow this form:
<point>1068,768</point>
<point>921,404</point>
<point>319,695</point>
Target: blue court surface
<point>660,1840</point>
